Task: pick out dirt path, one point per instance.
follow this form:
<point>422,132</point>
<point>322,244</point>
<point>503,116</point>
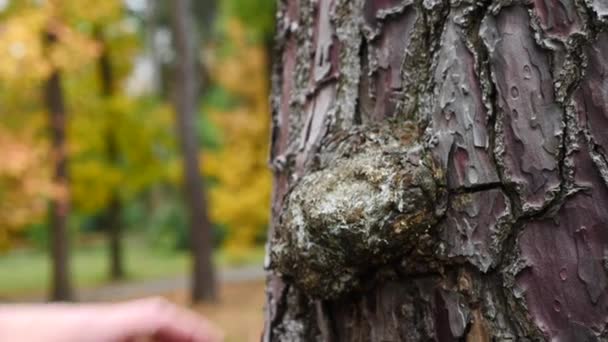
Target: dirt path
<point>160,286</point>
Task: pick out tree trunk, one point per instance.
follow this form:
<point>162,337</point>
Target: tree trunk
<point>186,100</point>
<point>61,288</point>
<point>113,216</point>
<point>114,232</point>
<point>440,171</point>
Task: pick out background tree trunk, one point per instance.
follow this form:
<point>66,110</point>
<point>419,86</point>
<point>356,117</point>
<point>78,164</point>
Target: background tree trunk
<point>113,215</point>
<point>159,17</point>
<point>186,101</point>
<point>61,288</point>
<point>507,104</point>
<point>114,229</point>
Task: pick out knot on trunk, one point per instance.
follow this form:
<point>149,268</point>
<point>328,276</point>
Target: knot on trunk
<point>375,193</point>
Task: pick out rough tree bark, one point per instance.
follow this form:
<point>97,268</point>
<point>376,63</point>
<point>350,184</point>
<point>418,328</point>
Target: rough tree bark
<point>441,171</point>
<point>61,288</point>
<point>113,215</point>
<point>186,100</point>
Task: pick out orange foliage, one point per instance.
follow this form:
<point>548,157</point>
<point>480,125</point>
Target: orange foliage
<point>24,182</point>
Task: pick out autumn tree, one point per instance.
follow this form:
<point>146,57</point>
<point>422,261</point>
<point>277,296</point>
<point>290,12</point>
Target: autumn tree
<point>439,171</point>
<point>56,43</point>
<point>113,214</point>
<point>186,87</point>
<point>61,287</point>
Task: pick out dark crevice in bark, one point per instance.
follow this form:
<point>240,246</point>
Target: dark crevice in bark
<point>485,75</point>
<point>280,305</point>
<point>573,57</point>
<point>362,89</point>
<point>510,258</point>
<point>476,188</point>
<point>435,19</point>
<point>492,104</point>
<point>325,321</point>
<point>276,86</point>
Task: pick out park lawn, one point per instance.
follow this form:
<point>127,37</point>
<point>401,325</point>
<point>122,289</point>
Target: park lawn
<point>26,272</point>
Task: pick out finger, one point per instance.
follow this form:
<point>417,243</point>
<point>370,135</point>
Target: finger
<point>168,322</point>
<point>185,325</point>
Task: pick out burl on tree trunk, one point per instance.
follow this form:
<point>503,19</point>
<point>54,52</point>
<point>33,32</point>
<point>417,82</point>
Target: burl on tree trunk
<point>441,171</point>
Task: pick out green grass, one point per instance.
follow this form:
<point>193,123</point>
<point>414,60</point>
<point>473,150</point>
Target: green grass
<point>26,272</point>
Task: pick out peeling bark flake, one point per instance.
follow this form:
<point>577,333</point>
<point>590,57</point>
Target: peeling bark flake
<point>376,10</point>
<point>388,53</point>
<point>460,118</point>
<point>530,122</point>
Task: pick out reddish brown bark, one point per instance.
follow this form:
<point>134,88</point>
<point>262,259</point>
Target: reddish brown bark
<point>508,100</point>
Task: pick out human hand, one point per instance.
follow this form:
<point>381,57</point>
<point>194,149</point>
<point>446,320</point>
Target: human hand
<point>153,319</point>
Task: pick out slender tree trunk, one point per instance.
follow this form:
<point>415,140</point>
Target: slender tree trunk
<point>113,215</point>
<point>186,95</point>
<point>150,28</point>
<point>441,171</point>
<point>61,288</point>
<point>114,231</point>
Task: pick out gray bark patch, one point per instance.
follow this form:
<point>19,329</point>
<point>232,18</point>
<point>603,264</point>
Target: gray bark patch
<point>459,116</point>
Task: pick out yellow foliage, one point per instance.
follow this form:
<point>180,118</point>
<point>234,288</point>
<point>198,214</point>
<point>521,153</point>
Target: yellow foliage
<point>22,48</point>
<point>94,12</point>
<point>140,137</point>
<point>23,45</point>
<point>241,198</point>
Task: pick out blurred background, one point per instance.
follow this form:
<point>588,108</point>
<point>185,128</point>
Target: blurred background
<point>92,175</point>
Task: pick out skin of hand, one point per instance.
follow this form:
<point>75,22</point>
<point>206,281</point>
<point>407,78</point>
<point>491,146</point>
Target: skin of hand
<point>154,319</point>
